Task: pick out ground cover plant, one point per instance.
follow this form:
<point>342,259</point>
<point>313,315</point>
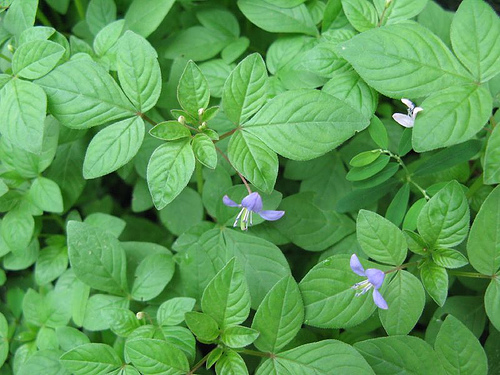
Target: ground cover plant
<point>249,187</point>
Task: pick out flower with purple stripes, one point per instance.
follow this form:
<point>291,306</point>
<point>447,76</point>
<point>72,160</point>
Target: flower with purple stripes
<point>250,204</point>
<point>374,279</point>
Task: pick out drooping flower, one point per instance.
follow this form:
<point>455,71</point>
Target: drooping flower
<point>374,279</point>
<point>407,120</point>
<point>250,204</point>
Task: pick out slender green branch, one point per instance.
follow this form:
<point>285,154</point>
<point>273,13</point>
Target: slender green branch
<point>43,18</point>
<point>478,183</point>
<point>80,9</point>
<point>469,274</point>
<point>255,353</point>
<point>198,365</point>
<point>403,266</point>
<point>232,166</point>
<point>387,3</point>
<point>5,57</point>
<point>199,177</point>
<point>229,133</point>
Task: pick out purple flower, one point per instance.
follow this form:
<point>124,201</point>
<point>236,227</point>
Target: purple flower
<point>407,120</point>
<point>250,204</point>
<point>374,280</point>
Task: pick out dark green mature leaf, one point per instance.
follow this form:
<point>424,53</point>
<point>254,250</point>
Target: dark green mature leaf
<point>46,195</point>
<point>99,14</point>
<point>169,171</point>
<point>400,354</point>
<point>435,280</point>
<point>472,34</point>
<point>305,124</point>
<point>367,171</point>
<point>202,325</point>
<point>81,94</point>
<point>50,310</point>
<point>97,258</point>
<point>51,264</point>
<point>459,350</point>
<point>403,60</point>
<point>273,18</point>
<point>483,246</point>
<point>172,312</point>
<point>42,361</point>
<point>113,147</point>
<point>36,58</point>
<point>144,16</point>
<point>397,209</point>
<point>17,229</point>
<point>106,39</point>
<point>492,158</point>
<point>91,359</point>
<point>492,302</point>
<point>23,104</point>
<point>21,16</point>
<point>152,275</point>
<point>361,14</point>
<point>4,339</point>
<point>279,316</point>
<point>254,160</point>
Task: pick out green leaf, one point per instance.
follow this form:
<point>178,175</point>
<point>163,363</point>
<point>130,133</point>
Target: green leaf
<point>138,71</point>
<point>152,356</point>
<point>204,150</point>
<point>254,160</point>
<point>98,309</point>
<point>492,302</point>
<point>444,220</point>
<point>51,263</point>
<point>361,14</point>
<point>273,18</point>
<point>69,338</point>
<point>99,14</point>
<point>449,258</point>
<point>170,131</point>
<point>459,350</point>
<point>151,276</point>
<point>397,68</point>
<point>322,358</point>
<point>234,50</point>
<point>144,16</point>
<point>435,280</point>
<point>202,325</point>
<point>193,92</point>
<point>380,239</point>
<point>113,147</point>
<point>305,124</point>
<point>231,363</point>
<point>378,132</point>
<point>397,209</point>
<point>17,229</point>
<point>184,212</point>
<point>36,58</point>
<point>492,158</point>
<point>4,339</point>
<point>245,90</point>
<point>171,312</point>
<point>219,20</point>
<point>24,104</point>
<point>400,10</point>
<point>329,299</point>
<point>112,224</point>
<point>106,39</point>
<point>91,359</point>
<point>364,158</point>
<point>81,94</point>
<point>405,297</point>
<point>226,298</point>
<point>169,171</point>
<point>362,173</point>
<point>46,195</point>
<point>460,112</point>
<point>483,246</point>
<point>21,16</point>
<point>279,316</point>
<point>472,34</point>
<point>400,354</point>
<point>50,310</point>
<point>238,336</point>
<point>122,321</point>
<point>42,361</point>
<point>97,258</point>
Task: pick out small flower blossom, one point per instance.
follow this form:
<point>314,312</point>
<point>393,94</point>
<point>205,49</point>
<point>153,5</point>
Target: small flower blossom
<point>250,204</point>
<point>375,278</point>
<point>407,120</point>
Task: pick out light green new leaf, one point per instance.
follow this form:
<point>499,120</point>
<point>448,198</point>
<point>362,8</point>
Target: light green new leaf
<point>36,58</point>
<point>99,14</point>
<point>245,90</point>
<point>405,297</point>
<point>305,124</point>
<point>449,258</point>
<point>21,16</point>
<point>113,147</point>
<point>320,358</point>
<point>23,107</point>
<point>155,357</point>
<point>46,195</point>
<point>238,336</point>
<point>435,280</point>
<point>231,363</point>
<point>254,160</point>
<point>138,71</point>
<point>492,158</point>
<point>49,310</point>
<point>193,92</point>
<point>473,35</point>
<point>51,263</point>
<point>279,316</point>
<point>380,239</point>
<point>170,131</point>
<point>144,16</point>
<point>400,355</point>
<point>329,299</point>
<point>17,229</point>
<point>97,258</point>
<point>122,321</point>
<point>4,339</point>
<point>108,36</point>
<point>361,14</point>
<point>451,116</point>
<point>492,302</point>
<point>204,150</point>
<point>399,10</point>
<point>202,325</point>
<point>444,220</point>
<point>81,94</point>
<point>169,171</point>
<point>172,312</point>
<point>226,298</point>
<point>483,246</point>
<point>275,19</point>
<point>403,60</point>
<point>91,359</point>
<point>459,350</point>
<point>151,276</point>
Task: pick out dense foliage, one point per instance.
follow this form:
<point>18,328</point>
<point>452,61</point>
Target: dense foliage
<point>256,186</point>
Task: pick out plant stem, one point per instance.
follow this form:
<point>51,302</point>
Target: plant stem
<point>43,18</point>
<point>198,365</point>
<point>5,57</point>
<point>79,8</point>
<point>469,274</point>
<point>255,353</point>
<point>239,174</point>
<point>199,177</point>
<point>146,118</point>
<point>403,266</point>
<point>478,183</point>
<point>225,135</point>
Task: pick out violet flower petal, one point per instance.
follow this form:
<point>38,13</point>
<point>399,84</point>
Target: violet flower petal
<point>229,202</point>
<point>375,277</point>
<point>271,215</point>
<point>379,300</point>
<point>252,202</point>
<point>356,266</point>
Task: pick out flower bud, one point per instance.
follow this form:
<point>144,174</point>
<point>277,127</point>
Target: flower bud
<point>182,120</point>
<point>140,315</point>
<point>10,47</point>
<point>201,111</point>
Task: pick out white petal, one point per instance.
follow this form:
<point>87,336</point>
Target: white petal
<point>404,120</point>
<point>408,103</point>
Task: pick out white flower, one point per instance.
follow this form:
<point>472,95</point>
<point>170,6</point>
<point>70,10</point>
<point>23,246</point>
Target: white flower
<point>407,120</point>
